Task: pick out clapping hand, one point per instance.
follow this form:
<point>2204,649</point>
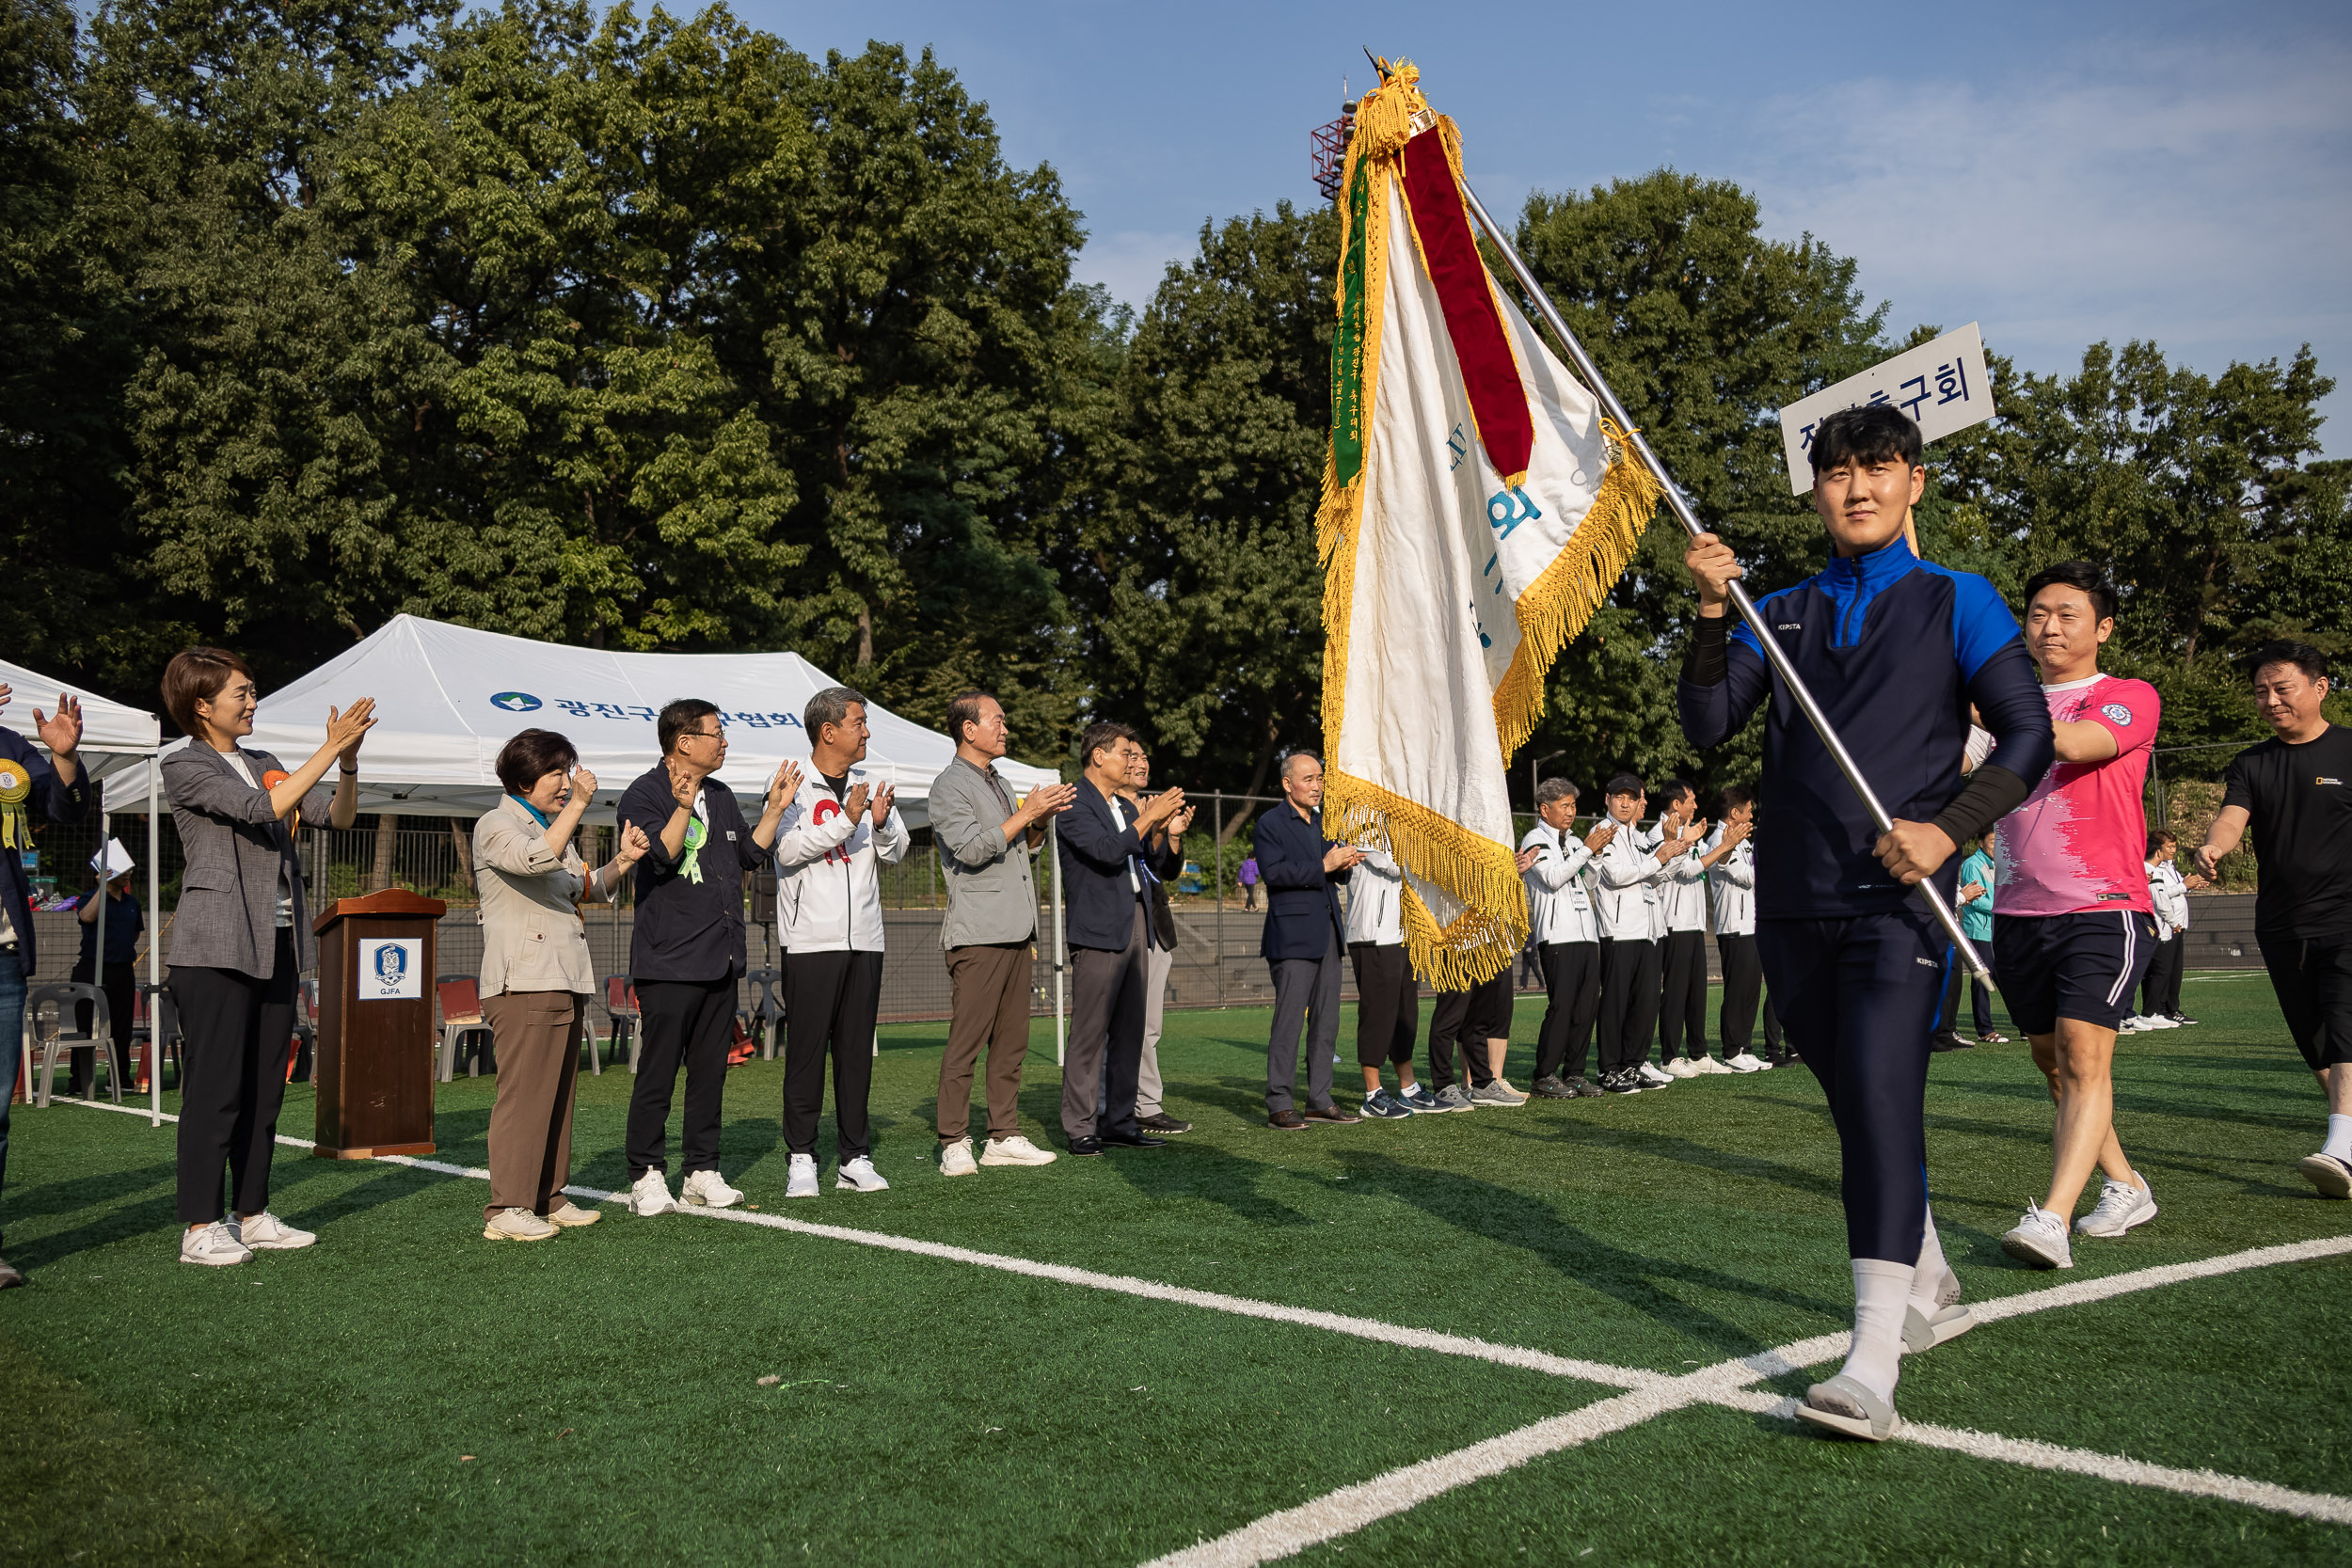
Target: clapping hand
<point>785,787</point>
<point>883,799</point>
<point>1049,801</point>
<point>1161,807</point>
<point>345,727</point>
<point>1693,830</point>
<point>63,734</point>
<point>1180,823</point>
<point>1527,856</point>
<point>1738,831</point>
<point>855,805</point>
<point>1599,838</point>
<point>1342,857</point>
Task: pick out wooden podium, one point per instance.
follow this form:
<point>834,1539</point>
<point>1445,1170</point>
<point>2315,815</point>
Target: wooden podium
<point>375,1061</point>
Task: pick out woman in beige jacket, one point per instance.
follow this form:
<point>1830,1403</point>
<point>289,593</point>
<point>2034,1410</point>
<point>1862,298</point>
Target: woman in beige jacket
<point>536,975</point>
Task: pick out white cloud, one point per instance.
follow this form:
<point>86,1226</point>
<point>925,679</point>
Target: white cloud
<point>1131,261</point>
<point>2203,199</point>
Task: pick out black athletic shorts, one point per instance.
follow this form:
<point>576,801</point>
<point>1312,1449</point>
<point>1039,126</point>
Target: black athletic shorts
<point>2314,979</point>
<point>2085,966</point>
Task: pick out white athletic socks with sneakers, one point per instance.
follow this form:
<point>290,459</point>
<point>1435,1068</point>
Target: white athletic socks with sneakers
<point>1881,1291</point>
<point>2339,1144</point>
<point>1934,1286</point>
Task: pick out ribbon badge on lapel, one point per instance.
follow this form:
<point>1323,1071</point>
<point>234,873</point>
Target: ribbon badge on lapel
<point>16,787</point>
<point>690,865</point>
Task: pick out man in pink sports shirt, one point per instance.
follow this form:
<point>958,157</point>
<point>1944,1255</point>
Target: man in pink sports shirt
<point>2073,922</point>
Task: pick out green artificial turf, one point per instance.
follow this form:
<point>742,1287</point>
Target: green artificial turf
<point>408,1393</point>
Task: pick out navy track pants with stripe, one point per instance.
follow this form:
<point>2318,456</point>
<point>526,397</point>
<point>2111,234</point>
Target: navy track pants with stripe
<point>1858,998</point>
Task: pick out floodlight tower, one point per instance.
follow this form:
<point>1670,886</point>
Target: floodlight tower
<point>1331,146</point>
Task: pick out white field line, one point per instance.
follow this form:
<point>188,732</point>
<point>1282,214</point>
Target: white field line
<point>1523,1358</point>
<point>1353,1508</point>
<point>1651,1395</point>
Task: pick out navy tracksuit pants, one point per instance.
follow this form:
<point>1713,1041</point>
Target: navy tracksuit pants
<point>1858,998</point>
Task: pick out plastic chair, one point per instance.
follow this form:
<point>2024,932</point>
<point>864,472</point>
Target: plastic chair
<point>767,1016</point>
<point>619,1006</point>
<point>102,1037</point>
<point>302,1062</point>
<point>460,996</point>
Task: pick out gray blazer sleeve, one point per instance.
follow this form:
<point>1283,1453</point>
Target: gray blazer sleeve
<point>198,784</point>
<point>964,820</point>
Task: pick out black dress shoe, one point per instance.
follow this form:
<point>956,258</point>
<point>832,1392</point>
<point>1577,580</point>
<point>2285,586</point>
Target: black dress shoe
<point>1160,1121</point>
<point>1086,1149</point>
<point>1130,1140</point>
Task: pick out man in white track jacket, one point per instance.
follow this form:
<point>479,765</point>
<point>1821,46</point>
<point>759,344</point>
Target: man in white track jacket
<point>1731,862</point>
<point>1625,876</point>
<point>1560,913</point>
<point>834,837</point>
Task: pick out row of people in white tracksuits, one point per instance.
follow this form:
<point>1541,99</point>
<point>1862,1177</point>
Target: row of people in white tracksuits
<point>1625,892</point>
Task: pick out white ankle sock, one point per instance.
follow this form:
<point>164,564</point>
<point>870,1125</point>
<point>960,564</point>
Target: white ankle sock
<point>1880,1289</point>
<point>1929,1280</point>
<point>2339,1138</point>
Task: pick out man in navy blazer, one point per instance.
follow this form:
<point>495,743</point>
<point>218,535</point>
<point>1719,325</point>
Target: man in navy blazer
<point>1107,915</point>
<point>56,789</point>
<point>1301,941</point>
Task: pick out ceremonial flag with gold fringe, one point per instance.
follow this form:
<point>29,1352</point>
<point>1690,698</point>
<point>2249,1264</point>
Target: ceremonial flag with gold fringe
<point>1476,509</point>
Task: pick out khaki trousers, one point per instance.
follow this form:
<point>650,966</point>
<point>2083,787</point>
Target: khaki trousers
<point>536,1034</point>
<point>989,1008</point>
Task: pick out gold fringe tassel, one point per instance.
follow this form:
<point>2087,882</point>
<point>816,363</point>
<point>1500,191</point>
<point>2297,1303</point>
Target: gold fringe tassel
<point>1480,872</point>
<point>1560,603</point>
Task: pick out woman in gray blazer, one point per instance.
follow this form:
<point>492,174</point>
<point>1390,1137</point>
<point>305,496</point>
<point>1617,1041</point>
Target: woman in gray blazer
<point>536,975</point>
<point>240,940</point>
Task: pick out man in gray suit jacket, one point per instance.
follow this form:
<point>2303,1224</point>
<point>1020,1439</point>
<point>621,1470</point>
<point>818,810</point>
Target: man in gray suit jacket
<point>985,842</point>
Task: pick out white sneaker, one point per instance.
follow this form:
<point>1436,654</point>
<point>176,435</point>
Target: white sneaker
<point>215,1245</point>
<point>859,1175</point>
<point>650,1195</point>
<point>1746,1062</point>
<point>1015,1150</point>
<point>266,1232</point>
<point>2156,1020</point>
<point>2121,1207</point>
<point>955,1159</point>
<point>1709,1064</point>
<point>2130,1026</point>
<point>2040,1239</point>
<point>1649,1073</point>
<point>1681,1066</point>
<point>707,1189</point>
<point>516,1225</point>
<point>803,1181</point>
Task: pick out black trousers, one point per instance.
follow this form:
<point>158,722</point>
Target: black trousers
<point>2159,989</point>
<point>1473,1017</point>
<point>1744,988</point>
<point>1682,999</point>
<point>1100,1068</point>
<point>687,1023</point>
<point>122,980</point>
<point>236,1029</point>
<point>1572,981</point>
<point>1980,999</point>
<point>830,1001</point>
<point>1388,1004</point>
<point>1629,994</point>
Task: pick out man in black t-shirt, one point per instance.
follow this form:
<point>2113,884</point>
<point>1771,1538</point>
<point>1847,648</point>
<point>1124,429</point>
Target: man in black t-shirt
<point>2294,791</point>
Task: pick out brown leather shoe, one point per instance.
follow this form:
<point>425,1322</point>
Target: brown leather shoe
<point>1335,1113</point>
<point>1287,1121</point>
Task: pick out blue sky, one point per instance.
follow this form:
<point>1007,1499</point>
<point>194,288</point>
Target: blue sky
<point>2060,173</point>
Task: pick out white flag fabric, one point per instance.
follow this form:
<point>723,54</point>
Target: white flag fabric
<point>1449,591</point>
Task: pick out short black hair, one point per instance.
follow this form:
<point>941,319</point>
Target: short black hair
<point>1554,789</point>
<point>1870,434</point>
<point>2157,840</point>
<point>1735,796</point>
<point>2301,654</point>
<point>964,708</point>
<point>1624,784</point>
<point>1675,789</point>
<point>679,715</point>
<point>532,755</point>
<point>2076,574</point>
<point>1100,736</point>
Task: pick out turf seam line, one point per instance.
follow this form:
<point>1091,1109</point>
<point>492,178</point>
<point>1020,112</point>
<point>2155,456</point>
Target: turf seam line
<point>1353,1508</point>
<point>1466,1346</point>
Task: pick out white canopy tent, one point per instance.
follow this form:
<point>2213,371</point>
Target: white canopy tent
<point>119,742</point>
<point>447,698</point>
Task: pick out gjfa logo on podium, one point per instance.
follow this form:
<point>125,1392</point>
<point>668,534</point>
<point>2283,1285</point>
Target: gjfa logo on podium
<point>390,969</point>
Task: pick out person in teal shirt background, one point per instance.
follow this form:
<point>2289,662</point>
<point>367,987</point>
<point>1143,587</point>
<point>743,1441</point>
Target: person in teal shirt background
<point>1976,924</point>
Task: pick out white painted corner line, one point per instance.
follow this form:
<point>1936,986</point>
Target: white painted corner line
<point>1354,1507</point>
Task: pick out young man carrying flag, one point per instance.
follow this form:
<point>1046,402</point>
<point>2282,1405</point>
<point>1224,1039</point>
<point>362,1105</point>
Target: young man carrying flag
<point>2073,926</point>
<point>1895,652</point>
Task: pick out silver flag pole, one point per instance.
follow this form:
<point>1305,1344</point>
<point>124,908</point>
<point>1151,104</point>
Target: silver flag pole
<point>1690,525</point>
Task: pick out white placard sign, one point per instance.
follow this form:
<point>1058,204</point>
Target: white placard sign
<point>1942,385</point>
<point>392,969</point>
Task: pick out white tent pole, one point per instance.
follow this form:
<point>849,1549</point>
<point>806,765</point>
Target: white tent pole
<point>98,955</point>
<point>154,944</point>
<point>1061,945</point>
